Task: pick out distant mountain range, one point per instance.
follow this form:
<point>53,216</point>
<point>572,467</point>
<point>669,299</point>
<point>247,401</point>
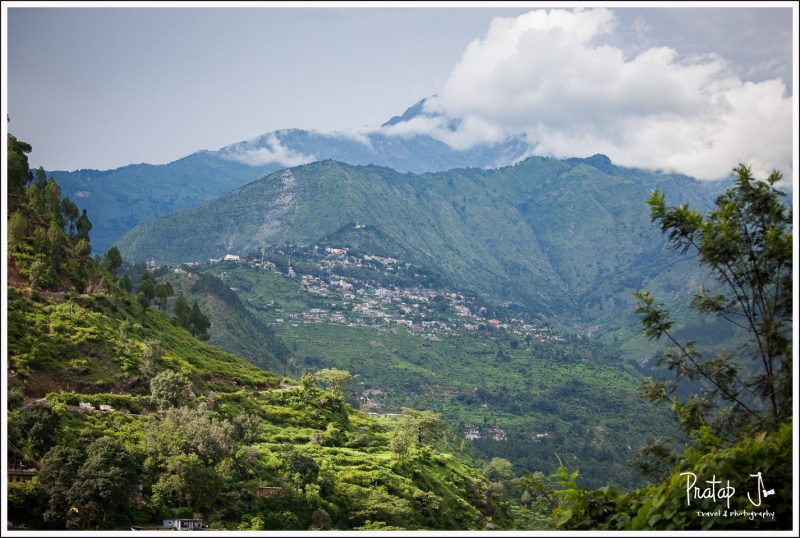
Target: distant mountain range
<point>119,199</point>
<point>568,239</point>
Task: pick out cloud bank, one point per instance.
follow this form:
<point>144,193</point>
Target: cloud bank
<point>270,150</point>
<point>545,76</point>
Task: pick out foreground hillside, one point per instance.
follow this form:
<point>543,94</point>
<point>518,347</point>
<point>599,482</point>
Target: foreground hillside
<point>331,466</point>
<point>119,417</point>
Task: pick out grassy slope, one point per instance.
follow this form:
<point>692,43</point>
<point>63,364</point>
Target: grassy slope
<point>233,327</point>
<point>88,347</point>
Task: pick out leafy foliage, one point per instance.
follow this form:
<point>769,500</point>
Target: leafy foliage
<point>746,242</point>
<point>169,389</point>
<point>741,428</point>
<point>50,243</point>
<point>665,506</point>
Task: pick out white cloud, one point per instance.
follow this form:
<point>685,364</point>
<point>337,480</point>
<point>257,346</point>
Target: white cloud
<point>543,76</point>
<point>267,151</point>
<point>358,134</point>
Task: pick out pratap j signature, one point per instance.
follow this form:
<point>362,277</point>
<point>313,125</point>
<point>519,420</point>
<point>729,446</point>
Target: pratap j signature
<point>715,491</point>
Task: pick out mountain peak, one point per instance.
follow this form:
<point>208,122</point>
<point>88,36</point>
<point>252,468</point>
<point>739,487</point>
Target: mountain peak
<point>417,109</point>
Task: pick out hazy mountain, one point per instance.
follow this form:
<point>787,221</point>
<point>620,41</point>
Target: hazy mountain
<point>119,199</point>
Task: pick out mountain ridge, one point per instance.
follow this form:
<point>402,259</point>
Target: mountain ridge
<point>122,197</point>
<point>519,232</point>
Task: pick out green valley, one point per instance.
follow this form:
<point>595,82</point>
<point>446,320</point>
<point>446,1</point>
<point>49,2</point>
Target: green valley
<point>119,418</point>
<point>510,387</point>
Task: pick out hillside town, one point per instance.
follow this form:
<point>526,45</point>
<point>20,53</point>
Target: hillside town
<point>364,290</point>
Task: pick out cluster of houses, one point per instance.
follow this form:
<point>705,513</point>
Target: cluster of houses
<point>494,433</point>
<point>377,306</point>
<point>87,406</point>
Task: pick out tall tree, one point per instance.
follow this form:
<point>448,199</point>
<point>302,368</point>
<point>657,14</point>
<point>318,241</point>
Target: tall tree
<point>101,492</point>
<point>126,283</point>
<point>112,260</point>
<point>181,310</point>
<point>40,176</point>
<point>425,426</point>
<point>59,471</point>
<point>147,289</point>
<point>338,382</point>
<point>83,226</point>
<point>169,389</point>
<point>70,213</point>
<point>18,172</point>
<point>164,291</point>
<point>151,359</point>
<point>746,243</point>
<point>33,430</point>
<point>199,323</point>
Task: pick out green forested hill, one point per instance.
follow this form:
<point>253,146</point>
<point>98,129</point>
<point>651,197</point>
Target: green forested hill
<point>121,198</point>
<point>569,240</point>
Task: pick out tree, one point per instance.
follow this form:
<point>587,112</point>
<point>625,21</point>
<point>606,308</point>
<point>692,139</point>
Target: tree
<point>320,520</point>
<point>300,469</point>
<point>126,284</point>
<point>338,382</point>
<point>498,470</point>
<point>34,430</point>
<point>147,286</point>
<point>83,226</point>
<point>401,444</point>
<point>112,260</point>
<point>52,201</point>
<point>17,227</point>
<point>746,243</point>
<point>186,484</point>
<point>424,426</point>
<point>151,359</point>
<point>57,243</point>
<point>102,489</point>
<point>18,171</point>
<point>246,428</point>
<point>499,473</point>
<point>59,471</point>
<point>37,274</point>
<point>70,213</point>
<point>164,291</point>
<point>253,523</point>
<point>40,176</point>
<point>184,430</point>
<point>143,300</point>
<point>169,389</point>
<point>199,323</point>
<point>181,310</point>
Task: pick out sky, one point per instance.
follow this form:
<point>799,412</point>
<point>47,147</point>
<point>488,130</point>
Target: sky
<point>689,89</point>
